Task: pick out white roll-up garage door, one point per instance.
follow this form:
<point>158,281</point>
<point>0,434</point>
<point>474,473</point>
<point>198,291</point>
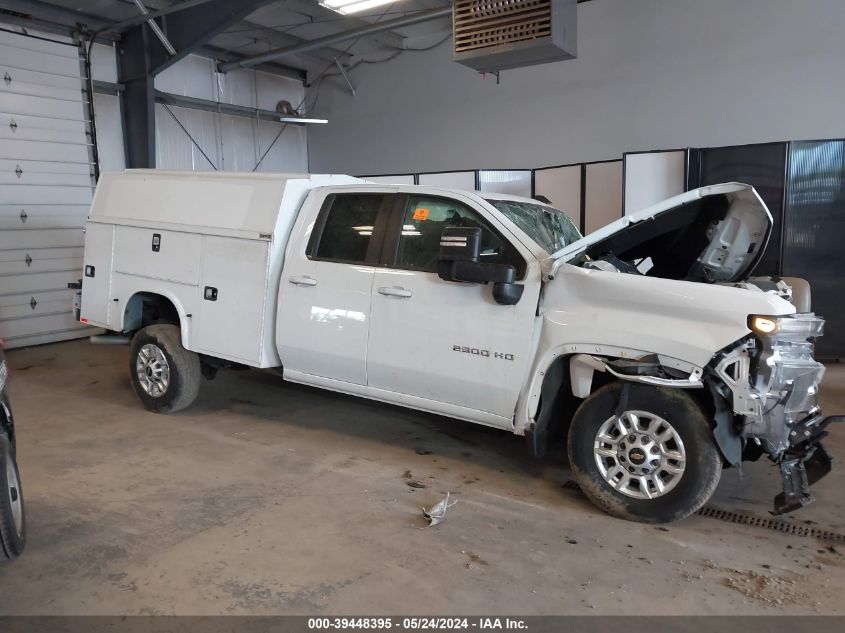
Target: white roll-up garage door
<point>45,188</point>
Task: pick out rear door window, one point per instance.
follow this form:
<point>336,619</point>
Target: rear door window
<point>349,228</point>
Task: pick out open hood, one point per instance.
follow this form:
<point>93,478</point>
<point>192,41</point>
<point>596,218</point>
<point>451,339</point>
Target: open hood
<point>712,234</point>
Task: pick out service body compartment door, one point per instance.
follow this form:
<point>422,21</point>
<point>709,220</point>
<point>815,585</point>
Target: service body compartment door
<point>158,254</point>
<point>97,269</point>
<point>230,322</point>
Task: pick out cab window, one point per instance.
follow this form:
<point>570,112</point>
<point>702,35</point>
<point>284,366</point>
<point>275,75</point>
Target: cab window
<point>423,222</point>
<point>345,227</point>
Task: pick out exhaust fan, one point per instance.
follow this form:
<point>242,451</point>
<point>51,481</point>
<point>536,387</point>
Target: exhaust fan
<point>493,35</point>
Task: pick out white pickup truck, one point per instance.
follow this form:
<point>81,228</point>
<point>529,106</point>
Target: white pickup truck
<point>646,340</point>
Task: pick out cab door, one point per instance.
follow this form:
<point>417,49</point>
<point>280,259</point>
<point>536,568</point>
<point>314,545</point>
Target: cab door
<point>326,284</point>
<point>445,346</point>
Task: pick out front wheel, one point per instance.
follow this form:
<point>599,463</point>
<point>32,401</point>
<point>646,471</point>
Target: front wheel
<point>644,453</point>
<point>12,518</point>
<point>165,375</point>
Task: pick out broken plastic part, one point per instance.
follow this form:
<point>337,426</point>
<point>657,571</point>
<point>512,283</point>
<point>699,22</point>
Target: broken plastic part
<point>437,514</point>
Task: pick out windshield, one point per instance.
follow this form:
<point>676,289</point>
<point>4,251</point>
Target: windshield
<point>550,228</point>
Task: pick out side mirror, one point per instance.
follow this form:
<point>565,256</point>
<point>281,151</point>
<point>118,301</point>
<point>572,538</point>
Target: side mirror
<point>458,244</point>
<point>507,294</point>
<point>460,249</point>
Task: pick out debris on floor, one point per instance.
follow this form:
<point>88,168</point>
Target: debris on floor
<point>414,483</point>
<point>437,514</point>
<point>473,559</point>
<point>770,589</point>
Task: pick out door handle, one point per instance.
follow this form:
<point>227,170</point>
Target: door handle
<point>394,291</point>
<point>303,281</point>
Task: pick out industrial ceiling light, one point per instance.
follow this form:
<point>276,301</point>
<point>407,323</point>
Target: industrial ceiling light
<point>347,7</point>
<point>299,119</point>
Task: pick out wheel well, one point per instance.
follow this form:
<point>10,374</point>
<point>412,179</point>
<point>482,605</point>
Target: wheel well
<point>556,391</point>
<point>557,404</point>
<point>148,308</point>
<point>6,426</point>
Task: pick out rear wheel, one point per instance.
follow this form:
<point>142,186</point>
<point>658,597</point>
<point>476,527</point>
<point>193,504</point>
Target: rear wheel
<point>648,455</point>
<point>12,517</point>
<point>165,375</point>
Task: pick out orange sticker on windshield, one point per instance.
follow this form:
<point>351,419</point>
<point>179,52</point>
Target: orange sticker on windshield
<point>421,214</point>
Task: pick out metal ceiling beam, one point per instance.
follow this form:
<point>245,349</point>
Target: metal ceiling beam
<point>55,19</point>
<point>192,28</point>
<point>154,27</point>
<point>194,103</point>
<point>119,27</point>
<point>54,13</point>
<point>133,71</point>
<point>329,40</point>
<point>286,39</point>
<point>221,54</point>
<point>140,59</point>
<point>29,22</point>
<point>312,9</point>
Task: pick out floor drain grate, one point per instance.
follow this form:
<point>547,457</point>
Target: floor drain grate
<point>754,521</point>
<point>770,524</point>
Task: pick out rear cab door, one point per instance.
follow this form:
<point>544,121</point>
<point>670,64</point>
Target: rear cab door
<point>325,290</point>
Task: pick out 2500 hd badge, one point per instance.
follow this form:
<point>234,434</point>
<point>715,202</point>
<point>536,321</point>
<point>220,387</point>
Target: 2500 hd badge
<point>485,353</point>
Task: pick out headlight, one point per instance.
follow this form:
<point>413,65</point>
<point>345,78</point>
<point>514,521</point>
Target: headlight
<point>798,326</point>
<point>763,324</point>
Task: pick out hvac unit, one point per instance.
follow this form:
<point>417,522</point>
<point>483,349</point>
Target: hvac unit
<point>493,35</point>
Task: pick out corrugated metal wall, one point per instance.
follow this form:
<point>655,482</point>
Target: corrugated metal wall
<point>230,143</point>
<point>814,223</point>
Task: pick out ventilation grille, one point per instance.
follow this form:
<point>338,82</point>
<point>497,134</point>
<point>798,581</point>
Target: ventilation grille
<point>480,24</point>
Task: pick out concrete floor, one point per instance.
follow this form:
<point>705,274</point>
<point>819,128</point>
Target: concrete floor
<point>272,498</point>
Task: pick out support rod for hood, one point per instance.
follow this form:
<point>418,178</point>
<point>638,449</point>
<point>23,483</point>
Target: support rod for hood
<point>329,40</point>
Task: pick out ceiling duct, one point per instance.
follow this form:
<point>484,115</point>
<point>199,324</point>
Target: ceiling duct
<point>493,35</point>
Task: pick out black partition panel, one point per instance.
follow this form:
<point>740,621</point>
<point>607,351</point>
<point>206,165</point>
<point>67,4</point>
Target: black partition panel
<point>761,166</point>
<point>814,235</point>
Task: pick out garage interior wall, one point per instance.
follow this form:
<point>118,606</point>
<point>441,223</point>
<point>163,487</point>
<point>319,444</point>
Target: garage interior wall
<point>231,143</point>
<point>453,179</point>
<point>399,179</point>
<point>651,177</point>
<point>107,111</point>
<point>602,194</point>
<point>647,77</point>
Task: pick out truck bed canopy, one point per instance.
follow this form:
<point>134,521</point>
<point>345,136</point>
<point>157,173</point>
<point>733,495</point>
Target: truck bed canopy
<point>216,203</point>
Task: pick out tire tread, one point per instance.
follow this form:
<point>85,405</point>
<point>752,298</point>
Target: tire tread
<point>705,451</point>
<point>11,545</point>
<point>186,372</point>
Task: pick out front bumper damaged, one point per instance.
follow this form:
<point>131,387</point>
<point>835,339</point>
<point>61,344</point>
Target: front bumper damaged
<point>801,469</point>
<point>773,382</point>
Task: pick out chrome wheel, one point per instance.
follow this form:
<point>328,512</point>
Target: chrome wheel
<point>153,370</point>
<point>15,499</point>
<point>639,454</point>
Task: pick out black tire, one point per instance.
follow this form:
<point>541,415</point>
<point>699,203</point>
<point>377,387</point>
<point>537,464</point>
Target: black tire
<point>12,531</point>
<point>702,468</point>
<point>183,367</point>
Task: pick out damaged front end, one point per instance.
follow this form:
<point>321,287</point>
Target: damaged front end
<point>772,380</point>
